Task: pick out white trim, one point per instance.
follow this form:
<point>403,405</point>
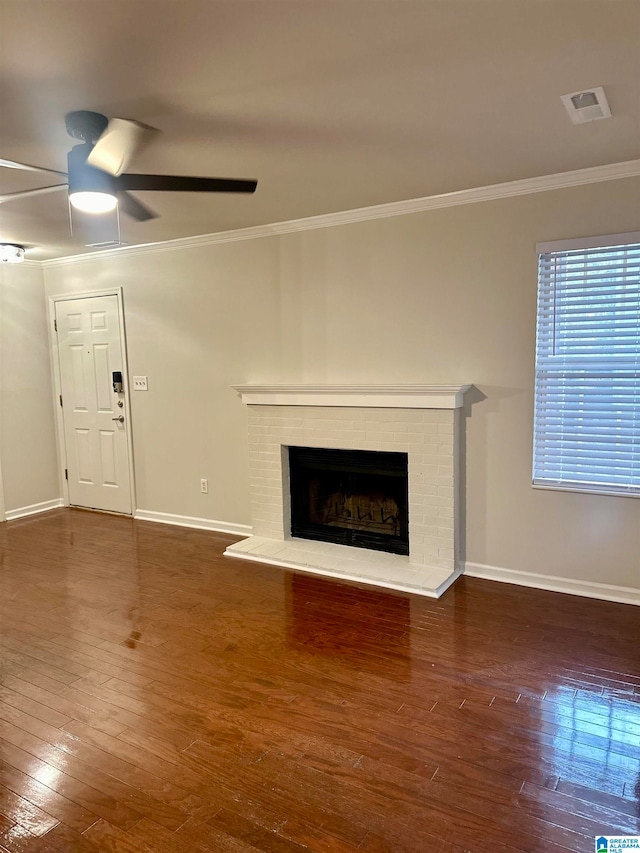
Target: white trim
<point>584,490</point>
<point>356,396</point>
<point>192,521</point>
<point>56,391</point>
<point>2,503</point>
<point>33,509</point>
<point>3,516</point>
<point>626,239</point>
<point>571,586</point>
<point>345,576</point>
<point>116,291</point>
<point>509,189</point>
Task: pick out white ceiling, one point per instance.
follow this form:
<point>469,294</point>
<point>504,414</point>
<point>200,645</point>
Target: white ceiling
<point>330,104</point>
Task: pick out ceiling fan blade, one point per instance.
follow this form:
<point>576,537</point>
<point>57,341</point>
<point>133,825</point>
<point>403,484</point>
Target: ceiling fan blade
<point>132,207</point>
<point>27,193</point>
<point>119,144</point>
<point>183,184</point>
<point>26,167</point>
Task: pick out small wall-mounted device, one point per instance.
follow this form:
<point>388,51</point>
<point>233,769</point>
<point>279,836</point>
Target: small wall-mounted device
<point>116,378</point>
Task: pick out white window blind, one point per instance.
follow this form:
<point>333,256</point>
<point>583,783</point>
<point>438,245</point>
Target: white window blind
<point>587,395</point>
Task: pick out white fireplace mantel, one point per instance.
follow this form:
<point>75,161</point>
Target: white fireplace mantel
<point>356,396</point>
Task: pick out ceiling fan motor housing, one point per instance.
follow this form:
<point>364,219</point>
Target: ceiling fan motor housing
<point>85,125</point>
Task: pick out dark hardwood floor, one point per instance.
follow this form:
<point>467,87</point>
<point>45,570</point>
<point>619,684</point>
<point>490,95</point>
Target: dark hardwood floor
<point>156,696</point>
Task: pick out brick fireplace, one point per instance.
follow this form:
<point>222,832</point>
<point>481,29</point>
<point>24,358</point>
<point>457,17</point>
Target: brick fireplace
<point>420,421</point>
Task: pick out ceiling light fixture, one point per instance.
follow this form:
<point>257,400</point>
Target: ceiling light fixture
<point>11,253</point>
<point>90,190</point>
<point>92,201</point>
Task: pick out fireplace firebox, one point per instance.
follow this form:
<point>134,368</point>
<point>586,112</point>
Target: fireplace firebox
<point>350,497</point>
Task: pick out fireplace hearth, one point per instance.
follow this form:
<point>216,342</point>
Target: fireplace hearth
<point>350,497</point>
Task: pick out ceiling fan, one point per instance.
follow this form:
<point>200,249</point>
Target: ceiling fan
<point>95,169</point>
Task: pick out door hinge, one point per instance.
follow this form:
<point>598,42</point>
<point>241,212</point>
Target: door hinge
<point>66,474</point>
<point>55,325</point>
<point>60,398</point>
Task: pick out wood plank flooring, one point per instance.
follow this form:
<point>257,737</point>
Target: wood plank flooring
<point>157,696</point>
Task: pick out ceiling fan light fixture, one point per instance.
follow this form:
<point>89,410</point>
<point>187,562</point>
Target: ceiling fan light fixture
<point>93,201</point>
<point>90,190</point>
<point>11,253</point>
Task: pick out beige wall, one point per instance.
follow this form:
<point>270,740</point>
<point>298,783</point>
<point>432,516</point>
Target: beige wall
<point>28,455</point>
<point>447,296</point>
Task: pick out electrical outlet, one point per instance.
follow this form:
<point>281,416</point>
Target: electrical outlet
<point>204,487</point>
<point>140,383</point>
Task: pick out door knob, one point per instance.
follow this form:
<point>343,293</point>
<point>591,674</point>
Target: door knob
<point>120,419</point>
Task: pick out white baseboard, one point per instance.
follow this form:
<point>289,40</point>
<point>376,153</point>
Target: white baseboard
<point>572,586</point>
<point>192,521</point>
<point>33,509</point>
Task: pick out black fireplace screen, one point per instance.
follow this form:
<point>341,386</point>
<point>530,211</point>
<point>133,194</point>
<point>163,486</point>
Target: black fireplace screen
<point>352,497</point>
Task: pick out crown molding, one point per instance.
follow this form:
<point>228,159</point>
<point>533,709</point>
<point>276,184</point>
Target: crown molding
<point>475,195</point>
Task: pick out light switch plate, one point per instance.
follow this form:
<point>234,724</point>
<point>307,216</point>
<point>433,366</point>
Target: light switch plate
<point>140,383</point>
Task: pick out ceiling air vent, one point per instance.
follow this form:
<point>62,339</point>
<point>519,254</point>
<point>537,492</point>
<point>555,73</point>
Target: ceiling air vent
<point>105,244</point>
<point>586,106</point>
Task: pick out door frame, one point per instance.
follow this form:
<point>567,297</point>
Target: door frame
<point>57,383</point>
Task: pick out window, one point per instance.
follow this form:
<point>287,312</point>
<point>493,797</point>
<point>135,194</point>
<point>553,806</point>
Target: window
<point>587,394</point>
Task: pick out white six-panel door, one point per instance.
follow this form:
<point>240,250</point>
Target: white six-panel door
<point>95,417</point>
